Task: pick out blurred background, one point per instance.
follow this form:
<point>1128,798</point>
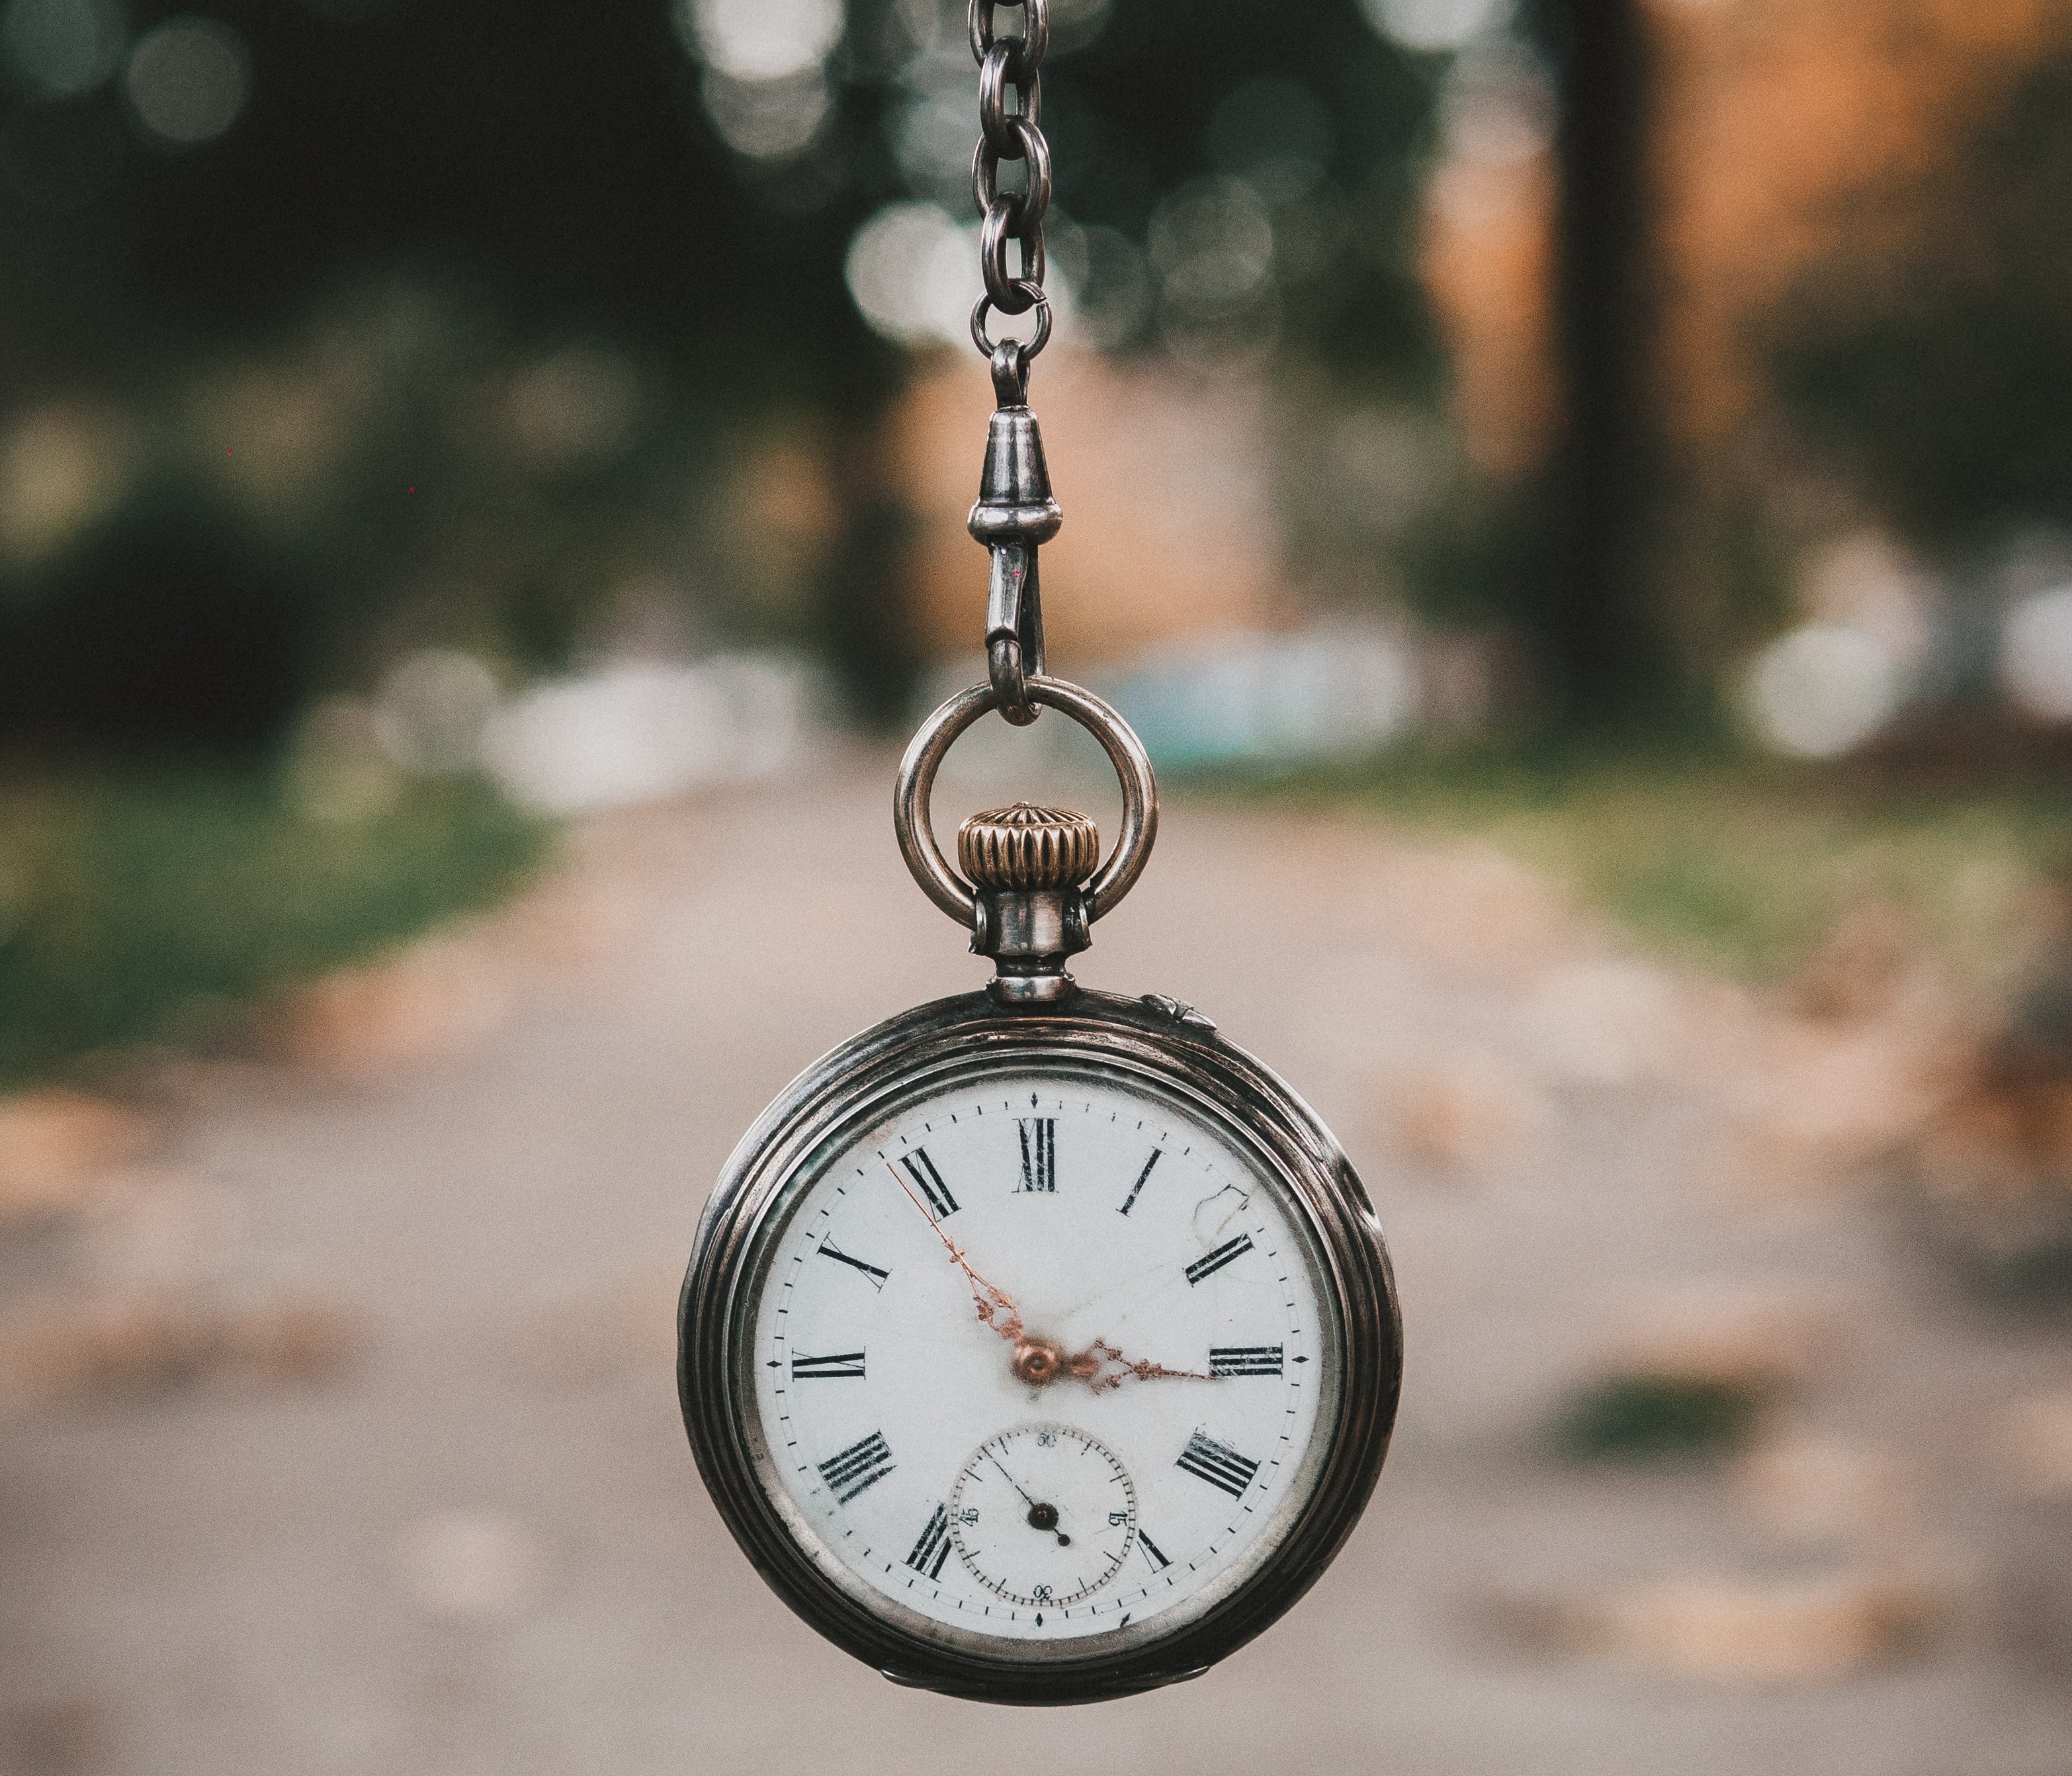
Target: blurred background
<point>1575,495</point>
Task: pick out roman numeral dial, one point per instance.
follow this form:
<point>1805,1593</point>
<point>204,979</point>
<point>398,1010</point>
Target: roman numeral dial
<point>1037,1355</point>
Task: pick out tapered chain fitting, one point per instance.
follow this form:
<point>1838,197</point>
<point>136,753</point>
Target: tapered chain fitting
<point>1015,511</point>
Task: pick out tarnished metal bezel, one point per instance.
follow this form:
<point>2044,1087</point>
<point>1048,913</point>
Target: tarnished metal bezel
<point>843,1092</point>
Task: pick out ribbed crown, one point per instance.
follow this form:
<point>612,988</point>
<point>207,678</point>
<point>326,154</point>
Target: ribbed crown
<point>1025,847</point>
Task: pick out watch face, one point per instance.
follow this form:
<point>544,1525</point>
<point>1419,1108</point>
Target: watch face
<point>1039,1356</point>
<point>1043,1352</point>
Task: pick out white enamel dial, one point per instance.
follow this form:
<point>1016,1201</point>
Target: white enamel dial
<point>1040,1357</point>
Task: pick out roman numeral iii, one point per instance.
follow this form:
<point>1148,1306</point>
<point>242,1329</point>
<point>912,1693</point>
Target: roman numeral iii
<point>1245,1359</point>
<point>934,1546</point>
<point>1209,1263</point>
<point>848,1365</point>
<point>1039,1151</point>
<point>1219,1464</point>
<point>858,1468</point>
<point>929,1182</point>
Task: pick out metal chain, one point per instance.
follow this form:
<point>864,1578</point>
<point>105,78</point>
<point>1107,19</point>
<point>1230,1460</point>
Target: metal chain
<point>1017,216</point>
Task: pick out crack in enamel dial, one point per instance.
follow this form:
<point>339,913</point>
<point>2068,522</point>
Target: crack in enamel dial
<point>1041,1357</point>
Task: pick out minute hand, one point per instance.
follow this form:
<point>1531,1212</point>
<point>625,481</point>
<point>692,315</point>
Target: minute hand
<point>996,1307</point>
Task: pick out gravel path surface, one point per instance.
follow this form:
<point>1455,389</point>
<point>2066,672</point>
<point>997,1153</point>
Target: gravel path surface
<point>483,1547</point>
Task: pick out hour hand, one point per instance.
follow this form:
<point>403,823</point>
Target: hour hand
<point>1102,1366</point>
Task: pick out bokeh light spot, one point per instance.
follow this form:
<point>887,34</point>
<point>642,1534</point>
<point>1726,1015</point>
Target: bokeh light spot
<point>767,120</point>
<point>432,710</point>
<point>914,273</point>
<point>1432,24</point>
<point>2036,653</point>
<point>1213,243</point>
<point>1822,690</point>
<point>61,48</point>
<point>760,39</point>
<point>1272,132</point>
<point>188,79</point>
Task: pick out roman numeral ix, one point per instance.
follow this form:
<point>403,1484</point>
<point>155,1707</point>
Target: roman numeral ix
<point>828,1249</point>
<point>934,1546</point>
<point>1039,1151</point>
<point>1209,1263</point>
<point>1219,1464</point>
<point>929,1182</point>
<point>1245,1359</point>
<point>848,1365</point>
<point>858,1468</point>
<point>1129,1201</point>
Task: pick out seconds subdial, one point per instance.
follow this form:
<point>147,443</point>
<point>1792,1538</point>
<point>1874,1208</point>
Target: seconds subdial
<point>1043,1515</point>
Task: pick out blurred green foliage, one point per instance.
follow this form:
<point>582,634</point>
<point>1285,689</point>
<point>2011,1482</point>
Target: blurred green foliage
<point>1928,356</point>
<point>1739,863</point>
<point>140,908</point>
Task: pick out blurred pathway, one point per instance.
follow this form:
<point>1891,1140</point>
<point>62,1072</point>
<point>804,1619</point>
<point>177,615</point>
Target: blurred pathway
<point>483,1549</point>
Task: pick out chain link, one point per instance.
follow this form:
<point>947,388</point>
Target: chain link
<point>1016,216</point>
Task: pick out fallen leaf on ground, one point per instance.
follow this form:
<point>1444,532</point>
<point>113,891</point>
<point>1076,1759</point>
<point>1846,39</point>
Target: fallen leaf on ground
<point>54,1144</point>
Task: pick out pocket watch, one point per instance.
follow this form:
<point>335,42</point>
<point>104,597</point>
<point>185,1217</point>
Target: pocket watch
<point>1038,1344</point>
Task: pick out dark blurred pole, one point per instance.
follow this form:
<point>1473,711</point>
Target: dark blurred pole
<point>1605,630</point>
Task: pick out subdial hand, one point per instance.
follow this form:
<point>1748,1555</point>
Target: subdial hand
<point>996,1306</point>
<point>1043,1517</point>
